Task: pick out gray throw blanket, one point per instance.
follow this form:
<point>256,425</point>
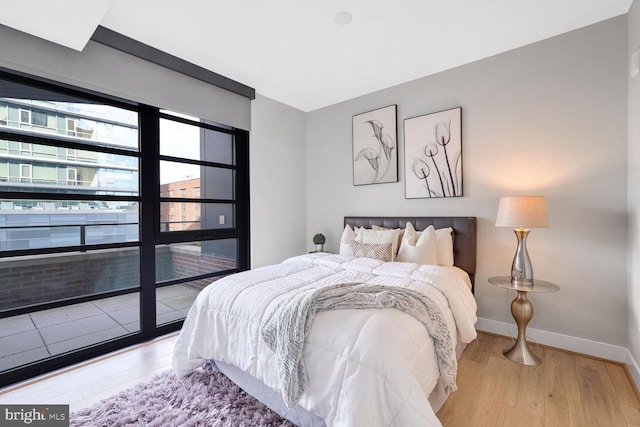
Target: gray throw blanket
<point>289,318</point>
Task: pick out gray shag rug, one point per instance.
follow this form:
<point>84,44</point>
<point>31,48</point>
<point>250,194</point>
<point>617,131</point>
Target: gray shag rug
<point>205,398</point>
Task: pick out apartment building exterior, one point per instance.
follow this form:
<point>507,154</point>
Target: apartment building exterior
<point>34,167</point>
<point>177,216</point>
<point>26,165</point>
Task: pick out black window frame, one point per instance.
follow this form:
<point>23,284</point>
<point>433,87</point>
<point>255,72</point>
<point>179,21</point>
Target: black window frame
<point>149,218</point>
<point>240,199</point>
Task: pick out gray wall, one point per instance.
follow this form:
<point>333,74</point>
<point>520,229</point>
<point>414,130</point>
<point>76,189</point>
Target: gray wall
<point>634,192</point>
<point>546,119</point>
<point>113,72</point>
<point>277,172</point>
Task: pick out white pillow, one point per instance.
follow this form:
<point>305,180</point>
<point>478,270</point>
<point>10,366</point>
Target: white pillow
<point>375,237</point>
<point>422,249</point>
<point>348,236</point>
<point>444,242</point>
<point>410,234</point>
<point>400,231</point>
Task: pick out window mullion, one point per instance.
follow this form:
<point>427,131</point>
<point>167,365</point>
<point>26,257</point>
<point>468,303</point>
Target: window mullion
<point>149,218</point>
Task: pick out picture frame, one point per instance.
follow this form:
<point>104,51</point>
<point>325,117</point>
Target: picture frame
<point>375,148</point>
<point>433,155</point>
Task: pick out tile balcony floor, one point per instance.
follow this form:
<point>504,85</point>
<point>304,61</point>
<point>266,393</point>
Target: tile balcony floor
<point>30,337</point>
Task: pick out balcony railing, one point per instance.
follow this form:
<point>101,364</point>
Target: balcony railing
<point>18,237</point>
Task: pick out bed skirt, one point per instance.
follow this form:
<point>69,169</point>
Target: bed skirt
<point>298,415</point>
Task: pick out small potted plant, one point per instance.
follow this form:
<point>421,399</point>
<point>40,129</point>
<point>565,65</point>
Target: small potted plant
<point>319,240</point>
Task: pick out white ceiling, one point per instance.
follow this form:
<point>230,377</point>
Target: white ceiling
<point>294,52</point>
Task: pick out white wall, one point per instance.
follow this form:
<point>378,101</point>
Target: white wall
<point>634,196</point>
<point>546,119</point>
<point>278,182</point>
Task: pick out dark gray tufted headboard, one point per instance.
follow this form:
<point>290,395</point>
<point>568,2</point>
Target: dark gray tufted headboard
<point>464,231</point>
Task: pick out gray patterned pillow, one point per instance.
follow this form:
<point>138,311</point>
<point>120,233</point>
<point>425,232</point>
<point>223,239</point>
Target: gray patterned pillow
<point>381,251</point>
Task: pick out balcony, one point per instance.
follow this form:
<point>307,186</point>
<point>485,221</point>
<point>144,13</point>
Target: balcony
<point>31,281</point>
<point>38,335</point>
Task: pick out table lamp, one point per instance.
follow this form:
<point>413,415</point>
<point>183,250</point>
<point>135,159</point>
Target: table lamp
<point>522,213</point>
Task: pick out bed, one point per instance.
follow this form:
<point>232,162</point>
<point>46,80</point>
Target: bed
<point>374,367</point>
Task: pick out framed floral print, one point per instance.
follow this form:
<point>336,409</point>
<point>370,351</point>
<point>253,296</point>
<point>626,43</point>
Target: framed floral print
<point>375,152</point>
<point>433,155</point>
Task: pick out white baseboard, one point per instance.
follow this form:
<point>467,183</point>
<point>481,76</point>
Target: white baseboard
<point>566,342</point>
<point>634,369</point>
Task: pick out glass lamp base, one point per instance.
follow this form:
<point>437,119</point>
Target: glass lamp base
<point>521,269</point>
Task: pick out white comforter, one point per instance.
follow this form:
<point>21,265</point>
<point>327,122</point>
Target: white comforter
<point>365,367</point>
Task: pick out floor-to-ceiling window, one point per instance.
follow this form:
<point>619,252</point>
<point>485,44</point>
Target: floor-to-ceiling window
<point>196,242</point>
<point>113,215</point>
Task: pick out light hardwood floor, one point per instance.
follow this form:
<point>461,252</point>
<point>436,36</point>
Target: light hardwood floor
<point>566,390</point>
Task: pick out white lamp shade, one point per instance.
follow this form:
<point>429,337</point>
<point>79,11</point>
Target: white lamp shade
<point>522,212</point>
